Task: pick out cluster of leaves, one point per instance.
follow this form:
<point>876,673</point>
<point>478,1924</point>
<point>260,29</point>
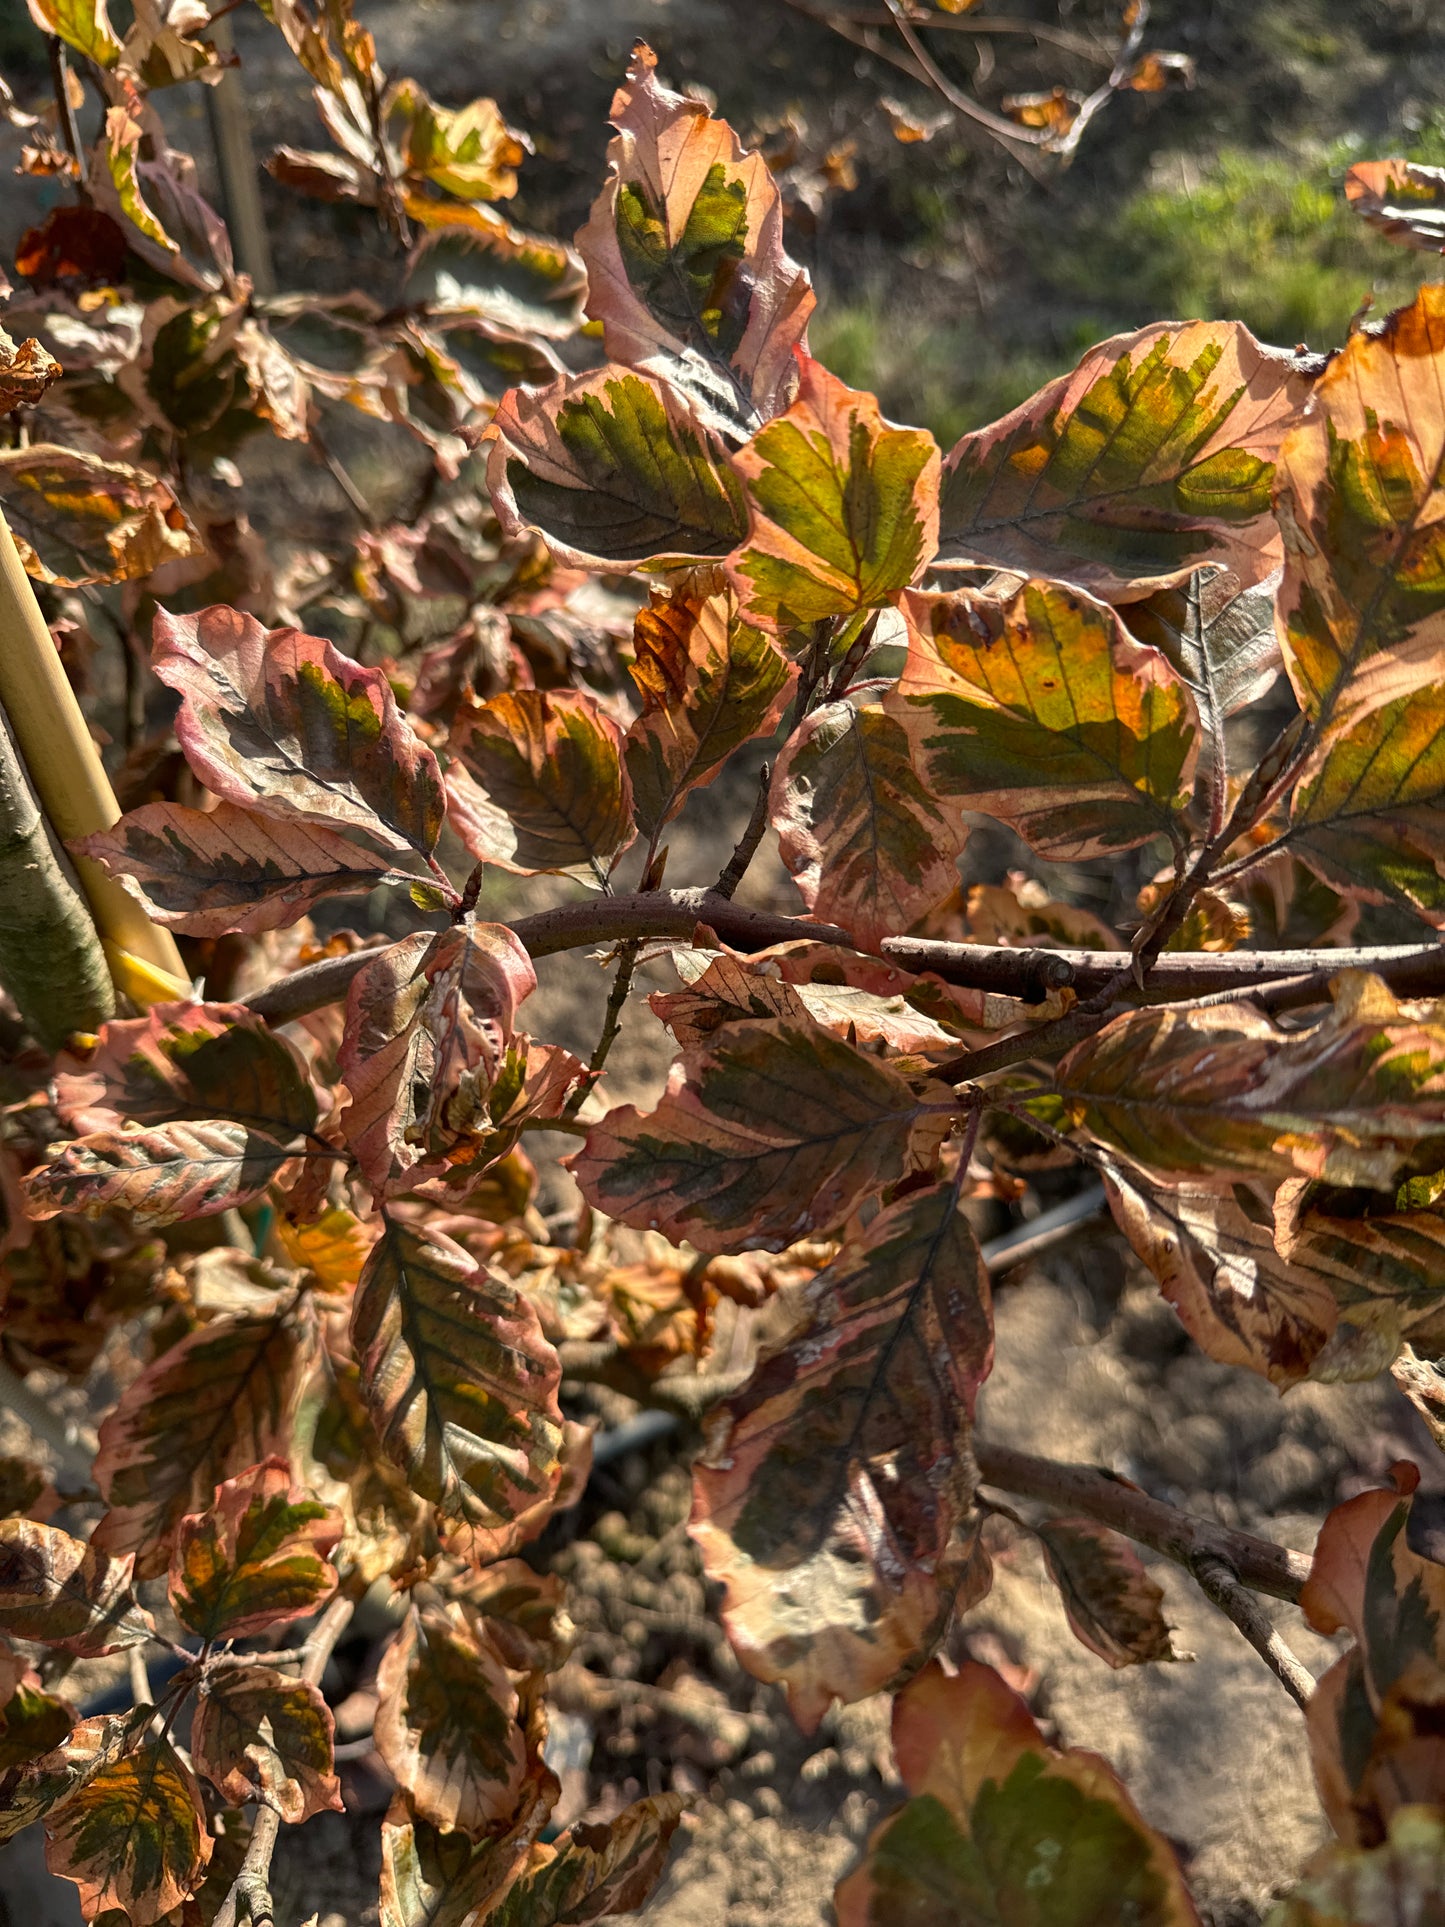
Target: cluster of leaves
<point>1055,628</point>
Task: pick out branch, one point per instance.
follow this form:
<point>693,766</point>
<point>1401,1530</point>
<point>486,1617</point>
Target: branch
<point>611,1025</point>
<point>1180,1536</point>
<point>1410,969</point>
<point>250,1894</point>
<point>1218,1581</point>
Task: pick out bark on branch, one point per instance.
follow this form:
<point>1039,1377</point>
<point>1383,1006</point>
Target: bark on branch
<point>685,915</point>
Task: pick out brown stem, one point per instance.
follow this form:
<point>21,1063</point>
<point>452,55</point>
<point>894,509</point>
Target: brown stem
<point>1259,1563</point>
<point>1410,969</point>
<point>250,1894</point>
<point>65,113</point>
<point>611,1026</point>
<point>746,849</point>
<point>1218,1581</point>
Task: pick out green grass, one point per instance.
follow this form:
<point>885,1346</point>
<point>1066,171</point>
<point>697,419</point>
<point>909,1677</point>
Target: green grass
<point>1263,238</point>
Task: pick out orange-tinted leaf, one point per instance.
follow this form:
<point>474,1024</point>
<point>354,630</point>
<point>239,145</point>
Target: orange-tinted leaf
<point>541,784</point>
<point>832,1494</point>
<point>25,373</point>
<point>592,1870</point>
<point>615,471</point>
<point>1358,502</point>
<point>458,1379</point>
<point>214,872</point>
<point>428,1028</point>
<point>333,1249</point>
<point>160,1175</point>
<point>188,1060</point>
<point>1404,200</point>
<point>435,1879</point>
<point>77,519</point>
<point>1369,808</point>
<point>686,266</point>
<point>1000,1827</point>
<point>1358,1100</point>
<point>1044,711</point>
<point>1023,914</point>
<point>259,1735</point>
<point>73,245</point>
<point>843,508</point>
<point>771,1131</point>
<point>221,1400</point>
<point>58,1589</point>
<point>467,151</point>
<point>446,1722</point>
<point>29,1791</point>
<point>256,1557</point>
<point>867,844</point>
<point>709,682</point>
<point>1113,1605</point>
<point>281,722</point>
<point>1154,456</point>
<point>132,1836</point>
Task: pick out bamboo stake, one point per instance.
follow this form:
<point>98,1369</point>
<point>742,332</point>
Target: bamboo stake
<point>71,784</point>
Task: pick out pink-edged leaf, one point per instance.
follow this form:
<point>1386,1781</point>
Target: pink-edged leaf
<point>132,1836</point>
<point>539,784</point>
<point>832,1495</point>
<point>265,1736</point>
<point>843,507</point>
<point>188,1060</point>
<point>220,1401</point>
<point>281,722</point>
<point>770,1131</point>
<point>614,471</point>
<point>69,1594</point>
<point>1402,199</point>
<point>594,1869</point>
<point>428,1028</point>
<point>684,250</point>
<point>709,682</point>
<point>867,844</point>
<point>212,873</point>
<point>729,989</point>
<point>160,1175</point>
<point>446,1721</point>
<point>458,1379</point>
<point>256,1557</point>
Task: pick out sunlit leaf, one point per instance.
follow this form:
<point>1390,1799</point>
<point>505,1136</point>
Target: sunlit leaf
<point>256,1557</point>
<point>333,1249</point>
<point>478,265</point>
<point>770,1132</point>
<point>709,682</point>
<point>542,784</point>
<point>592,1870</point>
<point>435,1879</point>
<point>77,519</point>
<point>69,1594</point>
<point>428,1029</point>
<point>1404,200</point>
<point>1153,457</point>
<point>213,872</point>
<point>866,842</point>
<point>26,372</point>
<point>843,507</point>
<point>1218,636</point>
<point>1022,914</point>
<point>132,1836</point>
<point>686,266</point>
<point>1369,808</point>
<point>1113,1605</point>
<point>1000,1827</point>
<point>261,1735</point>
<point>220,1401</point>
<point>467,151</point>
<point>83,24</point>
<point>446,1722</point>
<point>281,722</point>
<point>188,1060</point>
<point>30,1791</point>
<point>458,1379</point>
<point>116,183</point>
<point>1359,504</point>
<point>1044,711</point>
<point>1360,1099</point>
<point>615,471</point>
<point>729,989</point>
<point>160,1175</point>
<point>830,1500</point>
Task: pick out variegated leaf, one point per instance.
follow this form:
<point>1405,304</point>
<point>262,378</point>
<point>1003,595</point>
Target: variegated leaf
<point>69,1594</point>
<point>1112,1604</point>
<point>77,519</point>
<point>1404,200</point>
<point>265,1736</point>
<point>132,1836</point>
<point>160,1175</point>
<point>255,1558</point>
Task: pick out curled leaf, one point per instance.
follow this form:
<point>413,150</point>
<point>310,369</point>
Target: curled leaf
<point>77,519</point>
<point>1112,1603</point>
<point>26,372</point>
<point>1404,200</point>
